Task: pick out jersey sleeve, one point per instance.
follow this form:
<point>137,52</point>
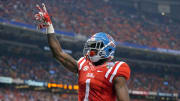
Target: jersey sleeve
<point>80,62</point>
<point>120,69</point>
<point>123,70</point>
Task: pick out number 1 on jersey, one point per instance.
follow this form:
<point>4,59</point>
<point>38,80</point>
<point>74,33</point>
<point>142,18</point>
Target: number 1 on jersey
<point>87,89</point>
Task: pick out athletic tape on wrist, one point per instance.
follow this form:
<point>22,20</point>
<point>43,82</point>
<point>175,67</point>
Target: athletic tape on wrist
<point>50,29</point>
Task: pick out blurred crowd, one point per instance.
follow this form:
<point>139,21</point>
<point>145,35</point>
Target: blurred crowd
<point>17,95</point>
<point>24,95</point>
<point>26,69</point>
<point>143,80</point>
<point>153,82</point>
<point>87,17</point>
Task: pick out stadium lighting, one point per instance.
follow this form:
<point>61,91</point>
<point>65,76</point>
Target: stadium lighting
<point>163,13</point>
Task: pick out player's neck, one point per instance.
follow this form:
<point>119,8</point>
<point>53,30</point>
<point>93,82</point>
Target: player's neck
<point>100,62</point>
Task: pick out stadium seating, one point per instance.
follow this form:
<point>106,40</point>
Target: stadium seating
<point>23,95</point>
<point>88,17</point>
<point>143,80</point>
<point>40,71</point>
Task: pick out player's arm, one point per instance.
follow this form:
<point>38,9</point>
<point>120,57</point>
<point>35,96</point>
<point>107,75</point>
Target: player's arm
<point>68,62</point>
<point>119,81</point>
<point>121,89</point>
<point>45,22</point>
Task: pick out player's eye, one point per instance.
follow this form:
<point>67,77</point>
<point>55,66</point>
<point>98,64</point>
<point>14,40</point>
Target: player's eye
<point>93,45</point>
<point>100,45</point>
<point>96,45</point>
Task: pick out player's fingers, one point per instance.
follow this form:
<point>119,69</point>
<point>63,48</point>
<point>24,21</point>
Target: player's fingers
<point>38,7</point>
<point>37,16</point>
<point>44,7</point>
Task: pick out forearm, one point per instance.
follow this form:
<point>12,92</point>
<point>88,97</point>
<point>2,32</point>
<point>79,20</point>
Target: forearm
<point>124,96</point>
<point>58,53</point>
<point>121,89</point>
<point>54,44</point>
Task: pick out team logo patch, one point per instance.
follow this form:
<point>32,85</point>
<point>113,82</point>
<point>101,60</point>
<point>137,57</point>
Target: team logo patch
<point>109,65</point>
<point>85,68</point>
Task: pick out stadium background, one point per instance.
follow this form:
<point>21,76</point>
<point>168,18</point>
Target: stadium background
<point>147,33</point>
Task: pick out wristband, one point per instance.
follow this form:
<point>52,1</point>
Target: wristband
<point>50,29</point>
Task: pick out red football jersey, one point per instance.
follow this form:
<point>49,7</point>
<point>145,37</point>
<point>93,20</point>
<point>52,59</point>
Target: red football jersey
<point>96,82</point>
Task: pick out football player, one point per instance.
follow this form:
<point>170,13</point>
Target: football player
<point>99,78</point>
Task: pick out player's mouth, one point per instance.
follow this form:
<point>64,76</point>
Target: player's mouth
<point>93,53</point>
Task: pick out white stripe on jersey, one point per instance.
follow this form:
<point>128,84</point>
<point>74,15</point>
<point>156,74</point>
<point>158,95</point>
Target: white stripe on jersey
<point>107,73</point>
<point>82,64</point>
<point>80,59</point>
<point>87,89</point>
<point>115,71</point>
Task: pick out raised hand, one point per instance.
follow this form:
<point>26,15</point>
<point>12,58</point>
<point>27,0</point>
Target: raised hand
<point>42,18</point>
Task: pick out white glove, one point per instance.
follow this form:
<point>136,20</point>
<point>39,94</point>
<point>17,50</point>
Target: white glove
<point>44,20</point>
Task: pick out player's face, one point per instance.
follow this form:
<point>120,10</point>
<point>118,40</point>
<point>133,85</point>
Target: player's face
<point>94,47</point>
<point>93,52</point>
